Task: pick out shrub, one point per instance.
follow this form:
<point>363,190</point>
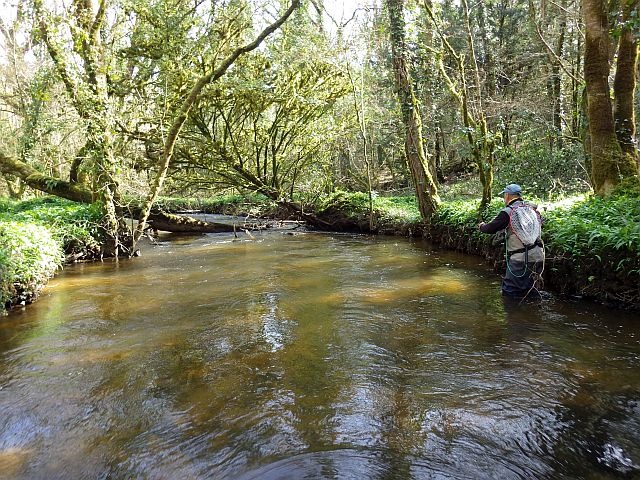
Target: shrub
<point>403,210</point>
<point>75,225</point>
<point>600,228</point>
<point>29,256</point>
<point>34,235</point>
<point>544,174</point>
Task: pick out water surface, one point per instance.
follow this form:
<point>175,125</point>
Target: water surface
<point>312,356</point>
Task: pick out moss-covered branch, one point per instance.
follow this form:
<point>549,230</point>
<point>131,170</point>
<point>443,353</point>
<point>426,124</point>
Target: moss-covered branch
<point>45,183</point>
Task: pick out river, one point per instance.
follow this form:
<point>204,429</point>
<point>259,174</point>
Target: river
<point>319,356</point>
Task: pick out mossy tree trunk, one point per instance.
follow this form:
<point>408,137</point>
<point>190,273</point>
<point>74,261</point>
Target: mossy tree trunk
<point>88,91</point>
<point>609,163</point>
<point>481,139</point>
<point>425,185</point>
<point>624,84</point>
<point>78,192</point>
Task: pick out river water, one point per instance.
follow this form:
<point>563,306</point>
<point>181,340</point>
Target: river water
<point>312,356</point>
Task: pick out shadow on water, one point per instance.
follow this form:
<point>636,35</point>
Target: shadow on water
<point>312,356</point>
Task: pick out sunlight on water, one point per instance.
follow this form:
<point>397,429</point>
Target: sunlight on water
<point>12,460</point>
<point>417,286</point>
<point>312,356</point>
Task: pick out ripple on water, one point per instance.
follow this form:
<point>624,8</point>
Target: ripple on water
<point>344,464</point>
<point>365,464</point>
<point>323,357</point>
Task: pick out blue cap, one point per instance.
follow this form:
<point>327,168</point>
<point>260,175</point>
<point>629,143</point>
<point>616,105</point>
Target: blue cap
<point>513,189</point>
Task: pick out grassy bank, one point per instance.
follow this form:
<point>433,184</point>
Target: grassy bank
<point>36,236</point>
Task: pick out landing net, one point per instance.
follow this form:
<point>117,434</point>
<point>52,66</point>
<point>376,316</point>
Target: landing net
<point>525,223</point>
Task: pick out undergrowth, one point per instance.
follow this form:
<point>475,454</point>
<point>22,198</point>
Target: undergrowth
<point>34,237</point>
<point>602,229</point>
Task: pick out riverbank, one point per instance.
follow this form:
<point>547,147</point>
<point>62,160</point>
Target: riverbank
<point>593,245</point>
<point>36,238</point>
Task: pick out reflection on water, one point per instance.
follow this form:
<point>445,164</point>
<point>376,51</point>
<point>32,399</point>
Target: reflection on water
<point>312,356</point>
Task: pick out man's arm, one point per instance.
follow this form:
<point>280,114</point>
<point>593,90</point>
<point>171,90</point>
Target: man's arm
<point>499,223</point>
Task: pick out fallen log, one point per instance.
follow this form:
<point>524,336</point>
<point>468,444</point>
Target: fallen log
<point>168,222</point>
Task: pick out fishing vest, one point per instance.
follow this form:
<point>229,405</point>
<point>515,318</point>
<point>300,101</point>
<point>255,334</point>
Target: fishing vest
<point>516,250</point>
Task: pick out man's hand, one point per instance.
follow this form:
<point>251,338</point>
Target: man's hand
<point>480,225</point>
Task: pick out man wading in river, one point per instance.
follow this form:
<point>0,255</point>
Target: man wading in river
<point>524,250</point>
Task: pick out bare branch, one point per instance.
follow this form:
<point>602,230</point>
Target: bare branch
<point>549,48</point>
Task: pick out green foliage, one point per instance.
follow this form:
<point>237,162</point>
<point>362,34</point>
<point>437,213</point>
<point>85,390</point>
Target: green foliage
<point>74,225</point>
<point>351,204</point>
<point>29,255</point>
<point>606,229</point>
<point>34,235</point>
<point>390,212</point>
<point>403,210</point>
<point>462,217</point>
<point>542,173</point>
<point>265,125</point>
<point>468,187</point>
<point>465,212</point>
<point>220,204</point>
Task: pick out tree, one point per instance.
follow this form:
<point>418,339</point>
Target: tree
<point>610,163</point>
<point>481,138</point>
<point>424,183</point>
<point>87,86</point>
<point>36,124</point>
<point>624,84</point>
<point>260,128</point>
<point>105,61</point>
<point>191,99</point>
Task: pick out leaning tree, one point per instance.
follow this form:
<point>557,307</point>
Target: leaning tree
<point>98,51</point>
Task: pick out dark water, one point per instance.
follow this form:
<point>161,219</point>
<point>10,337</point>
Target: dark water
<point>312,356</point>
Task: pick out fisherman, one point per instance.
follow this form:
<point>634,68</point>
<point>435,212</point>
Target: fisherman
<point>521,224</point>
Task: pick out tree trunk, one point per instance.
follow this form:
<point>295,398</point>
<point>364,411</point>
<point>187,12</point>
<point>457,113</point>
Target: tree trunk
<point>556,80</point>
<point>577,104</point>
<point>608,163</point>
<point>488,64</point>
<point>89,94</point>
<point>624,84</point>
<point>425,186</point>
<point>44,183</point>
